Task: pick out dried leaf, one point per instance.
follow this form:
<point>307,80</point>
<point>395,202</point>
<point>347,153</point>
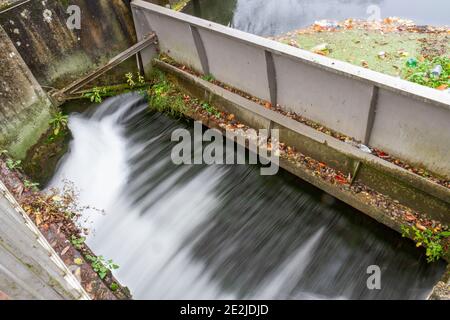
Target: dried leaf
<point>420,227</point>
<point>65,250</point>
<point>409,217</point>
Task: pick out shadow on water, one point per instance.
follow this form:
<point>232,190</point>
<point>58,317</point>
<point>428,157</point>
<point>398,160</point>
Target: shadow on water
<point>205,232</point>
<point>274,17</point>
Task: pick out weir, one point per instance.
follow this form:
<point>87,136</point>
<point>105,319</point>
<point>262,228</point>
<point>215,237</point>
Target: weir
<point>197,231</point>
<point>222,231</point>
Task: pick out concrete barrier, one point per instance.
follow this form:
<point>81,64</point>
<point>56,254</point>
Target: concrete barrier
<point>412,190</point>
<point>57,54</point>
<point>29,267</point>
<point>404,119</point>
<point>25,109</point>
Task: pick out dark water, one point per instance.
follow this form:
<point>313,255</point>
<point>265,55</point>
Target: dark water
<point>274,17</point>
<point>206,232</point>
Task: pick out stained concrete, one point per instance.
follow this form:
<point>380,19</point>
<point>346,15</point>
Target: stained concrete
<point>58,55</point>
<point>25,109</point>
<point>29,268</point>
<point>409,189</point>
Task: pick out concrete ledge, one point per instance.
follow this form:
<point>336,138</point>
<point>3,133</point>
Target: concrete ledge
<point>408,188</point>
<point>29,267</point>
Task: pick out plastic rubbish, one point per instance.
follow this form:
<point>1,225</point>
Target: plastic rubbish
<point>437,71</point>
<point>326,24</point>
<point>412,62</point>
<point>382,54</point>
<point>364,148</point>
<point>323,49</point>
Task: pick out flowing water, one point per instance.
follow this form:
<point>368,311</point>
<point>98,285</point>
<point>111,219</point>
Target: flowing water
<point>205,232</point>
<point>275,17</point>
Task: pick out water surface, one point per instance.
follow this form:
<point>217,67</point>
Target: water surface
<point>274,17</point>
<point>223,232</point>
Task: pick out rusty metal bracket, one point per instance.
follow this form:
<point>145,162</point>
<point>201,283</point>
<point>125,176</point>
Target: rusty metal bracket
<point>59,97</point>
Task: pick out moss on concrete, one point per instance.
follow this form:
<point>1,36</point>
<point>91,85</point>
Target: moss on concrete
<point>57,55</point>
<point>365,47</point>
<point>25,109</point>
<point>27,133</point>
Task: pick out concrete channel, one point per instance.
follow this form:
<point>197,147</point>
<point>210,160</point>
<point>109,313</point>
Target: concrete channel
<point>375,109</point>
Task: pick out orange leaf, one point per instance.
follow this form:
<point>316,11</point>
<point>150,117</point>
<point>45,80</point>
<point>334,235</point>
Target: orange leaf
<point>340,179</point>
<point>409,217</point>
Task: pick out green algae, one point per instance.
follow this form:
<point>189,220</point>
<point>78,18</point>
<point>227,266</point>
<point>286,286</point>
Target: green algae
<point>383,52</point>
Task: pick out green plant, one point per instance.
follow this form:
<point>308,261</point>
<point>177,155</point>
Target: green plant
<point>130,81</point>
<point>164,98</point>
<point>141,79</point>
<point>101,266</point>
<point>422,73</point>
<point>210,109</point>
<point>59,122</point>
<point>3,152</point>
<point>95,95</point>
<point>114,286</point>
<point>77,242</point>
<point>13,164</point>
<point>431,241</point>
<point>208,77</point>
<point>31,185</point>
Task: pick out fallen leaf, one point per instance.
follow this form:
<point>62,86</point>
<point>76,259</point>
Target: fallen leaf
<point>78,261</point>
<point>420,227</point>
<point>409,217</point>
<point>340,179</point>
<point>38,219</point>
<point>65,250</point>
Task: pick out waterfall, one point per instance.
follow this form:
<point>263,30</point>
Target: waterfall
<point>221,231</point>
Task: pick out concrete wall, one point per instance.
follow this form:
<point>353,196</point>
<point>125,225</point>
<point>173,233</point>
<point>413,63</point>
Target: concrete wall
<point>57,55</point>
<point>414,191</point>
<point>29,268</point>
<point>404,119</point>
<point>38,48</point>
<point>24,106</point>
